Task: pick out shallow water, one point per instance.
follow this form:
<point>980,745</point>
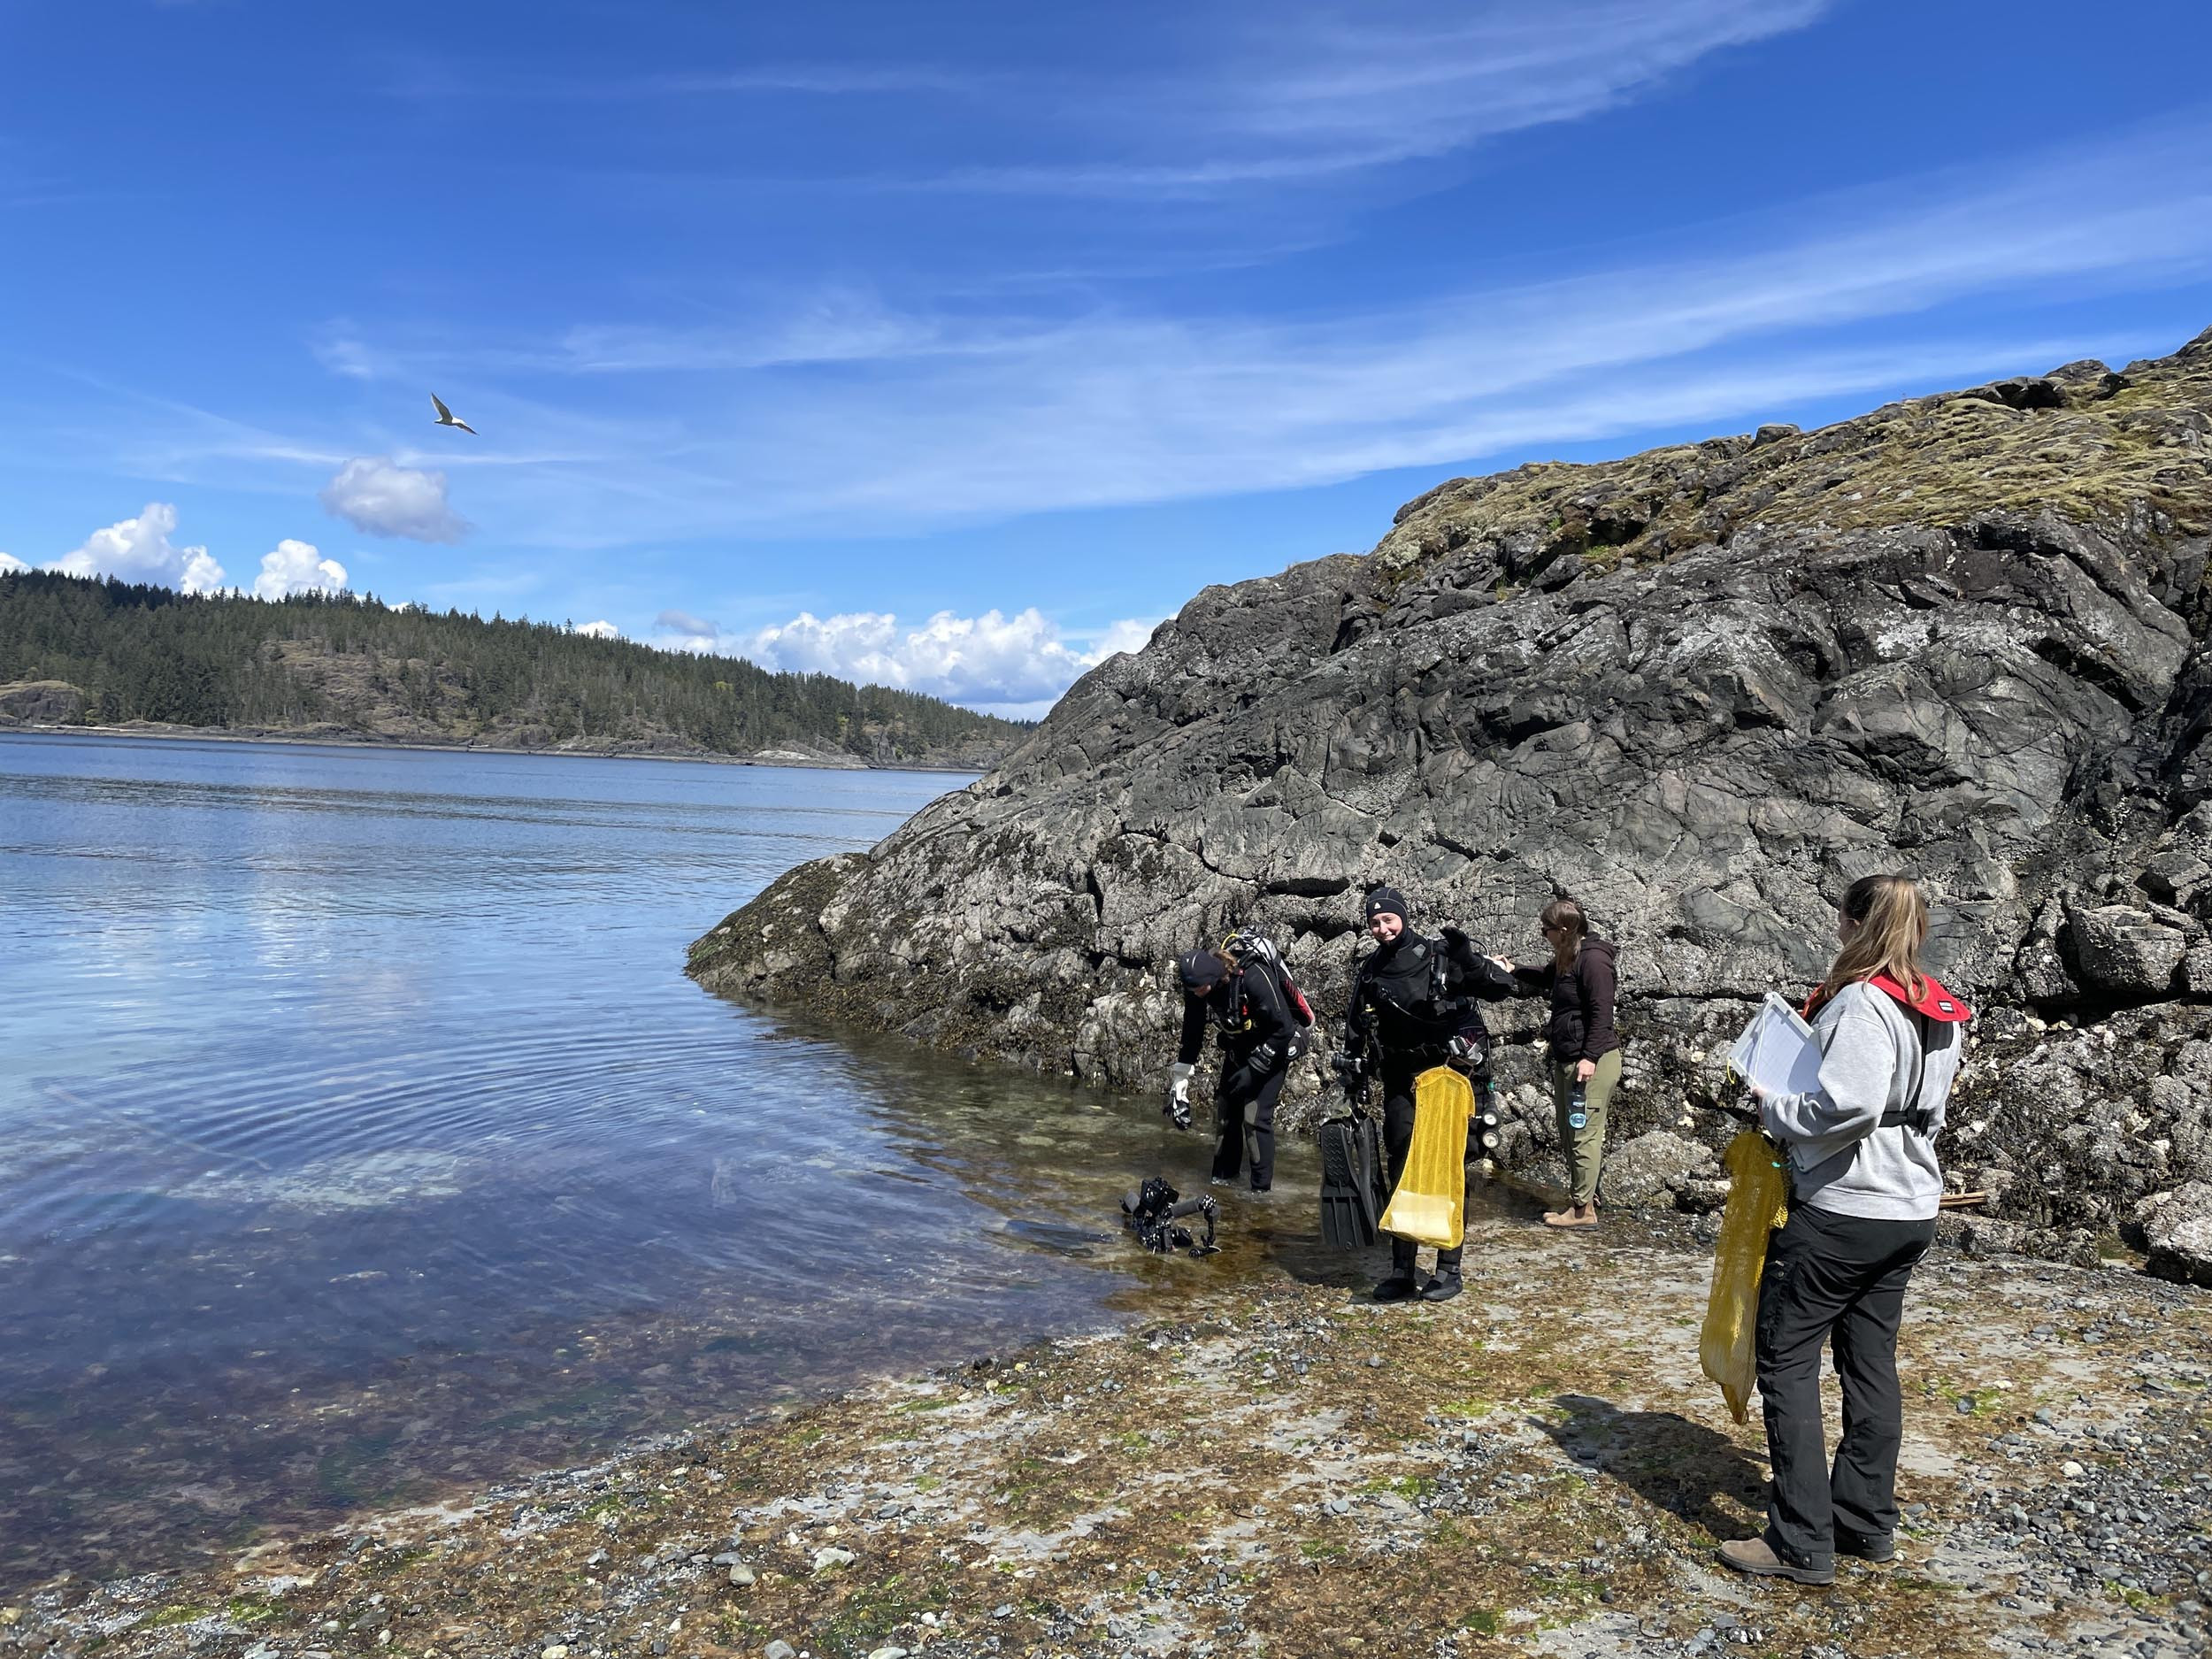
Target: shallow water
<point>360,1137</point>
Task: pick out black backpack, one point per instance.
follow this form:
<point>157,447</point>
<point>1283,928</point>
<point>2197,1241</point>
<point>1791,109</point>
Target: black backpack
<point>1254,949</point>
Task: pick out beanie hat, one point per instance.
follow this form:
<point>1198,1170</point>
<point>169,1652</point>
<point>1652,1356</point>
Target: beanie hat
<point>1202,971</point>
<point>1386,902</point>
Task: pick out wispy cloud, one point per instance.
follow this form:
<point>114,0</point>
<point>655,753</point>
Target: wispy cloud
<point>840,414</point>
<point>1315,91</point>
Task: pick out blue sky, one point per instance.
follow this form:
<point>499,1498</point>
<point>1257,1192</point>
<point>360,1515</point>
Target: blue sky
<point>951,346</point>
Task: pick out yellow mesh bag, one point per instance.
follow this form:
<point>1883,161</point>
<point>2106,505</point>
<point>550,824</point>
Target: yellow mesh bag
<point>1432,1193</point>
<point>1758,1202</point>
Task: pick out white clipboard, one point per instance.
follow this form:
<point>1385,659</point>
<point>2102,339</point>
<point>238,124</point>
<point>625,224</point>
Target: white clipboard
<point>1778,1051</point>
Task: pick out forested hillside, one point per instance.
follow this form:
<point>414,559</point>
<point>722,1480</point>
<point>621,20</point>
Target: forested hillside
<point>109,653</point>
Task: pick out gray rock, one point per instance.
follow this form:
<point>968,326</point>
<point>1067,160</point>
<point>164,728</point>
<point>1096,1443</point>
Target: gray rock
<point>2121,950</point>
<point>2178,1228</point>
<point>1649,1168</point>
<point>1836,656</point>
<point>830,1557</point>
<point>780,1649</point>
<point>40,702</point>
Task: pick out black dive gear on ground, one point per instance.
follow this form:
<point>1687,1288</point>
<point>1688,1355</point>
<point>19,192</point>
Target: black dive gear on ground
<point>1156,1214</point>
<point>1260,1035</point>
<point>1352,1193</point>
<point>1412,998</point>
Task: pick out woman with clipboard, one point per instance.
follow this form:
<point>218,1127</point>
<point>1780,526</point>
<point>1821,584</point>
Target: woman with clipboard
<point>1865,1190</point>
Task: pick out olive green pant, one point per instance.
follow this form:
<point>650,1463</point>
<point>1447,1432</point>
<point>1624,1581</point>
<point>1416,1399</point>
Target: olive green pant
<point>1584,1148</point>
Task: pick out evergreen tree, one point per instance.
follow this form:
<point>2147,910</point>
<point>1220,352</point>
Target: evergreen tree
<point>146,653</point>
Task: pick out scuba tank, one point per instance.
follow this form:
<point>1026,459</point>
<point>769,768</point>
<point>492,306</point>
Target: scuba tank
<point>1488,1131</point>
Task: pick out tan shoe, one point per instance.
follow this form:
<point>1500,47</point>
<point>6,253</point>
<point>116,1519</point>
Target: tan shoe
<point>1756,1556</point>
<point>1573,1216</point>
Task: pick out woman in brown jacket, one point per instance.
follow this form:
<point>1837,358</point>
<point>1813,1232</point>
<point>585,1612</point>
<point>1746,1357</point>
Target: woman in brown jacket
<point>1583,1049</point>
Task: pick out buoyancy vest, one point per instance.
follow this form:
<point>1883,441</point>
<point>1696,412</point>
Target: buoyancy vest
<point>1255,955</point>
<point>1935,1006</point>
<point>1409,986</point>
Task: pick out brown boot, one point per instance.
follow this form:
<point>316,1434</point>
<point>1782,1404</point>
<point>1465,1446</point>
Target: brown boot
<point>1573,1216</point>
<point>1756,1556</point>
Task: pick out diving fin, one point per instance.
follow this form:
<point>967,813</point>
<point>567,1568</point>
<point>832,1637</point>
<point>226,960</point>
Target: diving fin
<point>1347,1185</point>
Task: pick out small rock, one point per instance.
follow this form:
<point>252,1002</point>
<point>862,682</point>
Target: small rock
<point>2072,1470</point>
<point>559,1650</point>
<point>780,1649</point>
<point>741,1574</point>
<point>1005,1609</point>
<point>828,1558</point>
<point>888,1653</point>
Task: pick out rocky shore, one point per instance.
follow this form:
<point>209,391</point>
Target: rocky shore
<point>1701,689</point>
<point>1536,1468</point>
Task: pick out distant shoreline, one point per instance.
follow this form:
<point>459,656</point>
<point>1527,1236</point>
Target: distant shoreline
<point>791,761</point>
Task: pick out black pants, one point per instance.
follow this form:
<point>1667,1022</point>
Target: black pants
<point>1839,1279</point>
<point>1397,1081</point>
<point>1245,1109</point>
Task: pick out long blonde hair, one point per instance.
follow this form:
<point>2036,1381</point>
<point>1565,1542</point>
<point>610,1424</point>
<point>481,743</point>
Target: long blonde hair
<point>1892,921</point>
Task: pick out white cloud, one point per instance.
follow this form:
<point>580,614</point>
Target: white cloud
<point>140,550</point>
<point>994,661</point>
<point>8,564</point>
<point>600,630</point>
<point>296,567</point>
<point>377,496</point>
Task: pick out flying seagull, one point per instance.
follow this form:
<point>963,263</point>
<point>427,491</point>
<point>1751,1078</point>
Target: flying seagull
<point>445,416</point>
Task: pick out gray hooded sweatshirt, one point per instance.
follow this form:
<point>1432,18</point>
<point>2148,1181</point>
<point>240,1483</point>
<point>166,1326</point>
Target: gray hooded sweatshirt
<point>1841,1160</point>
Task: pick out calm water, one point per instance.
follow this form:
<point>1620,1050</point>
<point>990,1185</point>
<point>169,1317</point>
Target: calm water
<point>360,1137</point>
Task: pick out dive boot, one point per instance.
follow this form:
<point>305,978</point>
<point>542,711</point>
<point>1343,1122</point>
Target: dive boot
<point>1398,1287</point>
<point>1444,1287</point>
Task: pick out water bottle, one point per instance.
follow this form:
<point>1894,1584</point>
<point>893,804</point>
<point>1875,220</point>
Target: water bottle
<point>1577,1116</point>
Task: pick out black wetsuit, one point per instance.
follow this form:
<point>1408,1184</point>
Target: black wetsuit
<point>1410,1010</point>
<point>1256,1029</point>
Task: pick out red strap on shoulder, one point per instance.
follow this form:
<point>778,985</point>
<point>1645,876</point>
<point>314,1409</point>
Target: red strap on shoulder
<point>1935,1002</point>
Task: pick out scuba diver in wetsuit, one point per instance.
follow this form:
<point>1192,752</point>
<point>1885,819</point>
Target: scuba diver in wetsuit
<point>1414,1005</point>
<point>1259,1039</point>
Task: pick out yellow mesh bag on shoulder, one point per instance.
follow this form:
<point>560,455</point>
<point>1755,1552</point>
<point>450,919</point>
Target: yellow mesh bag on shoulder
<point>1758,1202</point>
<point>1432,1195</point>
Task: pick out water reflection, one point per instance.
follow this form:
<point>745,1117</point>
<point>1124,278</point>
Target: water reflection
<point>359,1137</point>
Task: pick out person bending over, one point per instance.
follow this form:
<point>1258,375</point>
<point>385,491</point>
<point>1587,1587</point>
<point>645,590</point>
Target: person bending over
<point>1416,1003</point>
<point>1583,1050</point>
<point>1246,1005</point>
<point>1862,1212</point>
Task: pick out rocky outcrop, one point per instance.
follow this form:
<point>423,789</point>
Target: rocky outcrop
<point>1701,689</point>
<point>40,702</point>
<point>2178,1229</point>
